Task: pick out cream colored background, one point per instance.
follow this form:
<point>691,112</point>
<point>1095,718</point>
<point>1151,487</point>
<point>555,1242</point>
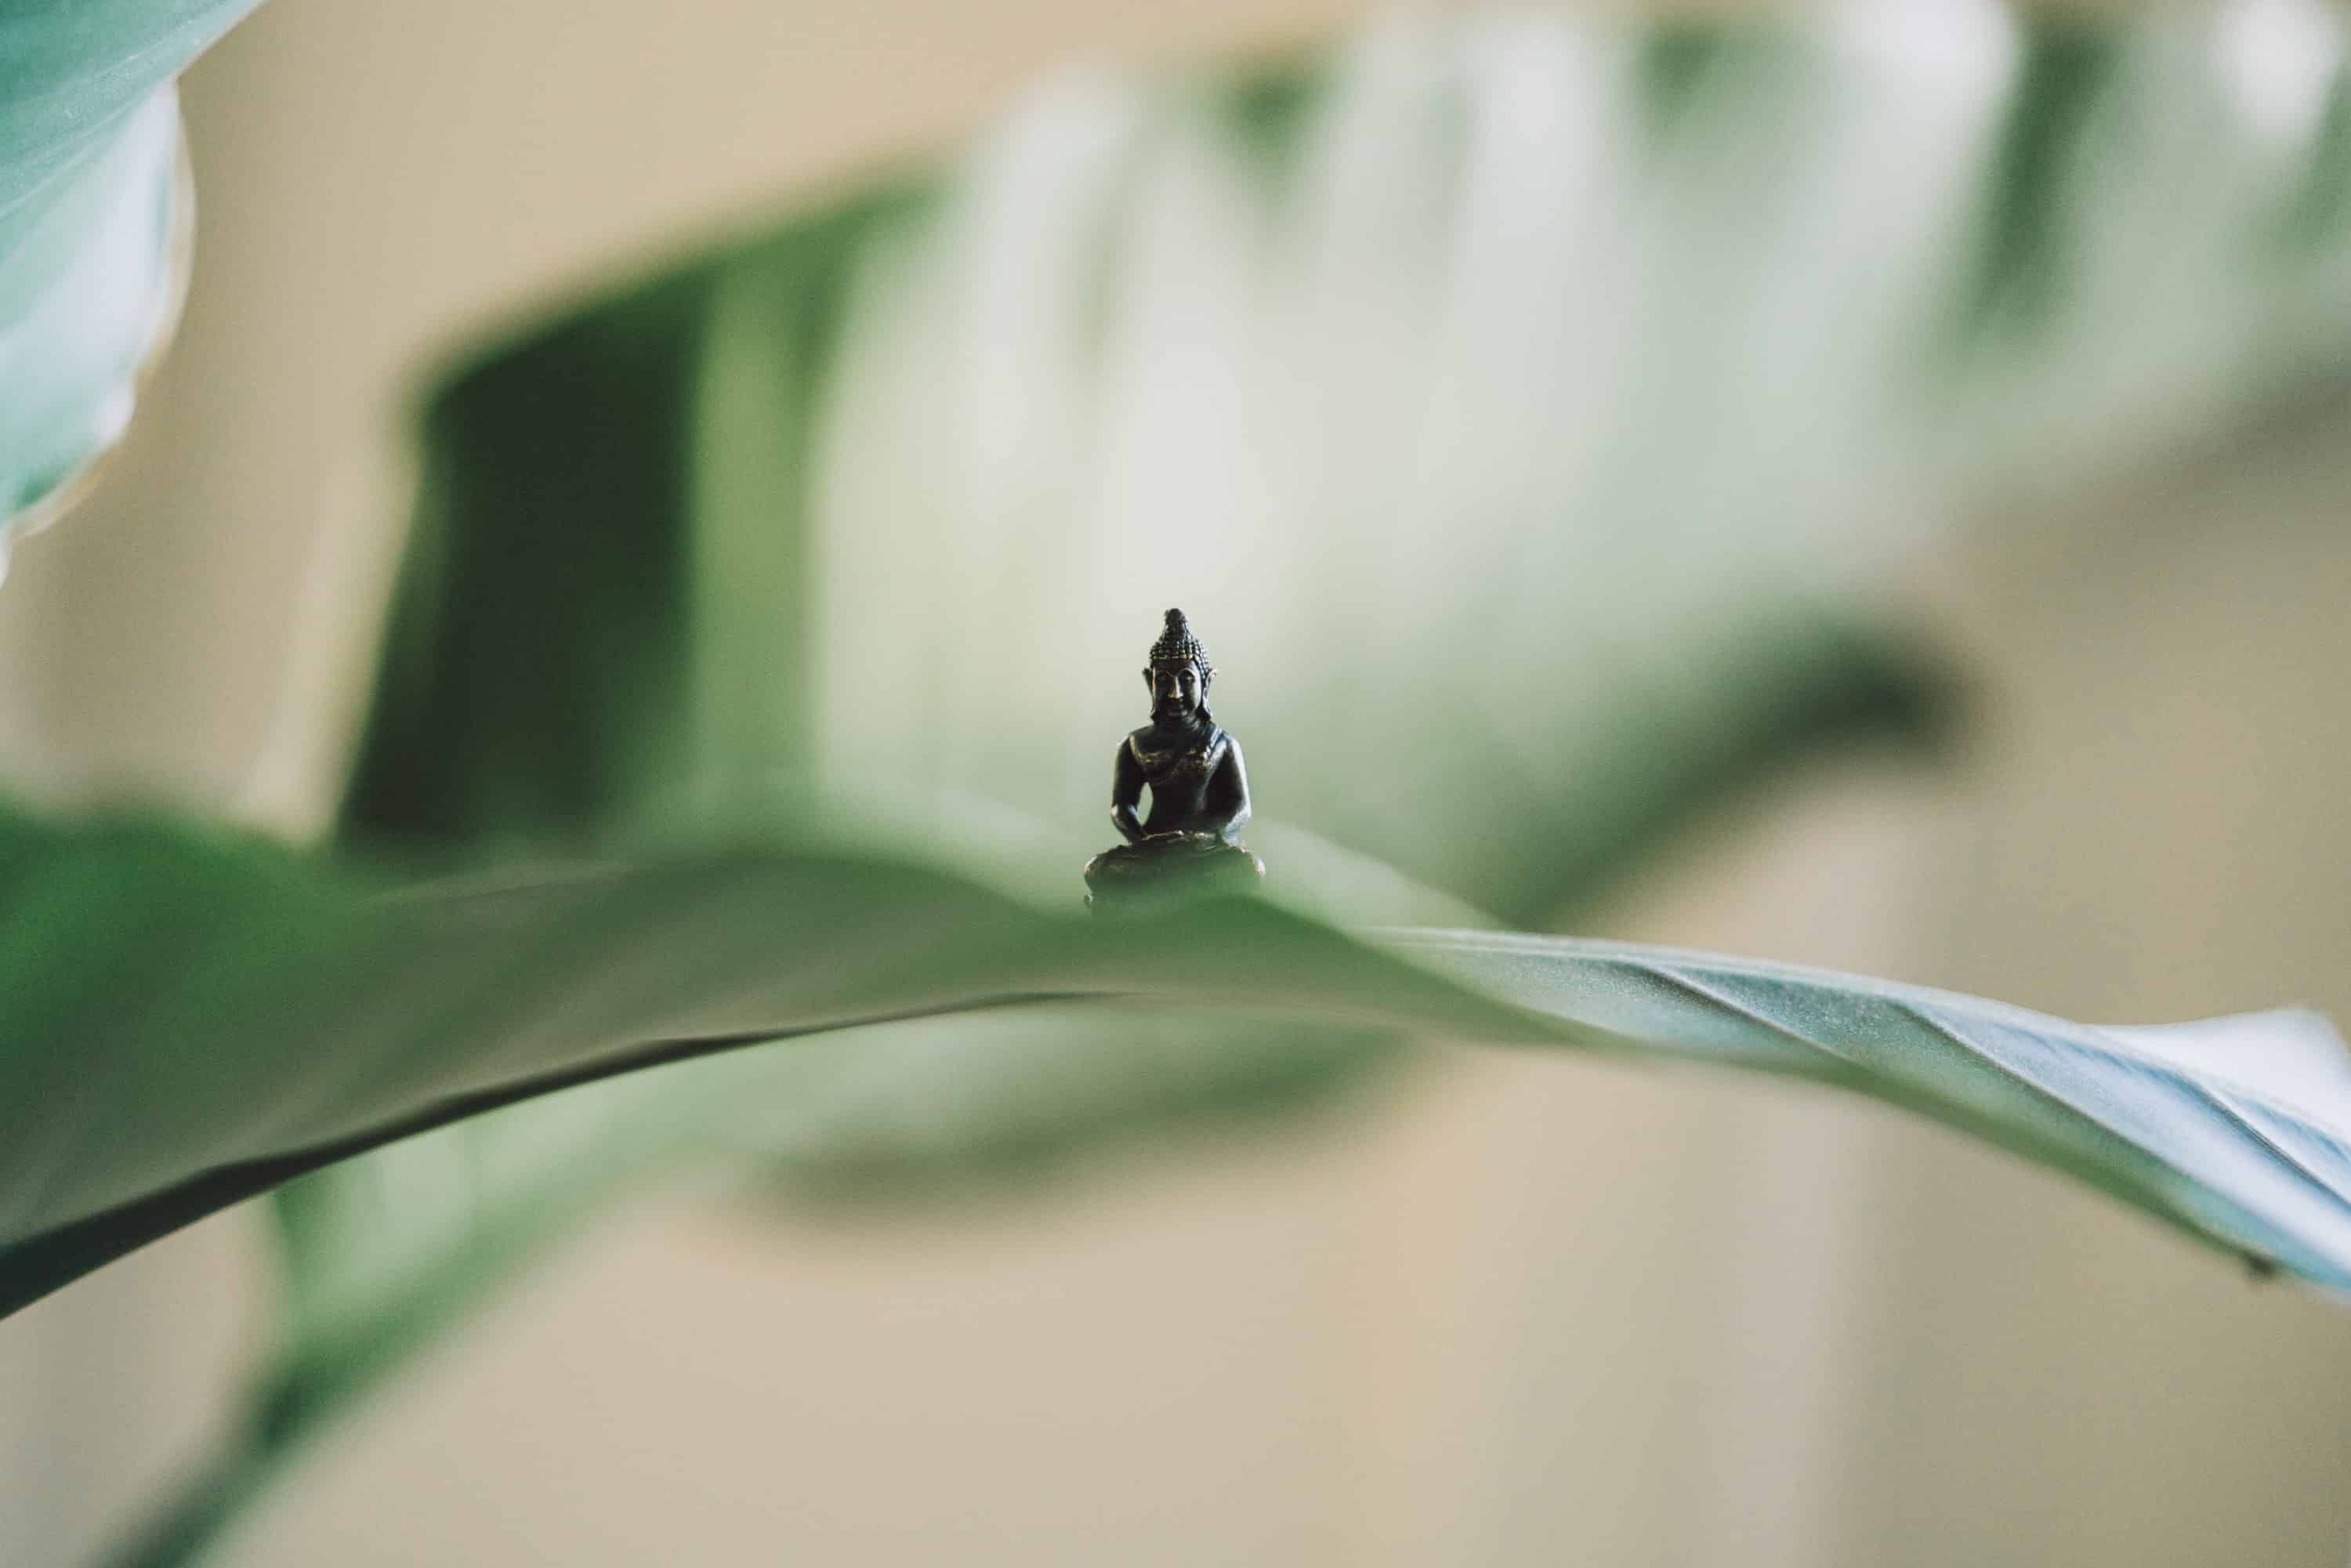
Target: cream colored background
<point>1517,1312</point>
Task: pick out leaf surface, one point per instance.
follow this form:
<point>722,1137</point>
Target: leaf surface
<point>203,1081</point>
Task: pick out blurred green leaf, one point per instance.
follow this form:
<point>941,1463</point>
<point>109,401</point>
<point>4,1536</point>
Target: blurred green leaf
<point>887,504</point>
<point>1455,400</point>
<point>94,225</point>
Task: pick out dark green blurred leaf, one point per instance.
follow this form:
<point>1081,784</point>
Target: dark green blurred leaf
<point>2045,154</point>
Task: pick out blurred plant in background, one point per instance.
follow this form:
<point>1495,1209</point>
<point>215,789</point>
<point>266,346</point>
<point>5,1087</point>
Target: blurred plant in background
<point>1531,412</point>
<point>95,212</point>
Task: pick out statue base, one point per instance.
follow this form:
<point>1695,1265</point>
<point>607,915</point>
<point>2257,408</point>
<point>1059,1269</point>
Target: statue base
<point>1154,872</point>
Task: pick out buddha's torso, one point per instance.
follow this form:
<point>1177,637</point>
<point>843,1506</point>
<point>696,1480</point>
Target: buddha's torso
<point>1177,765</point>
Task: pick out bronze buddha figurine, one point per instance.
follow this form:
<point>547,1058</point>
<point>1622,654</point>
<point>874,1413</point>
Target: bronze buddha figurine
<point>1199,789</point>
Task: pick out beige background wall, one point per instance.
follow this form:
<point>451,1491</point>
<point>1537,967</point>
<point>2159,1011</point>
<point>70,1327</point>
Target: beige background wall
<point>1518,1311</point>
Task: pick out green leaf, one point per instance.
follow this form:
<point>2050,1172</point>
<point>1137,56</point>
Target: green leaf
<point>888,502</point>
<point>95,220</point>
<point>1448,378</point>
<point>208,1081</point>
<point>204,1081</point>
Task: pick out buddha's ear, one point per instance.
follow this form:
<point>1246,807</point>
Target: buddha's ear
<point>1146,679</point>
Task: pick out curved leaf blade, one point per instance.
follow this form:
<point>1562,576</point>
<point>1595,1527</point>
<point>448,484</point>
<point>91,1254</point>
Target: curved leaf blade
<point>195,1075</point>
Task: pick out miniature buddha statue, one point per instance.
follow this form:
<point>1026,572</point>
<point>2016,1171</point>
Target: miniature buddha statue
<point>1199,788</point>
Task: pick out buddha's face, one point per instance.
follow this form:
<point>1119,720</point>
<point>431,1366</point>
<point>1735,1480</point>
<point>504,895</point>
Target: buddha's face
<point>1177,691</point>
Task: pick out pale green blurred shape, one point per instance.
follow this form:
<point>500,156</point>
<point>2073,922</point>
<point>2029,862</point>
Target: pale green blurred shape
<point>93,226</point>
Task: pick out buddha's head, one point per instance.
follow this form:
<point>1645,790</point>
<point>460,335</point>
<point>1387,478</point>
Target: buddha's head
<point>1178,674</point>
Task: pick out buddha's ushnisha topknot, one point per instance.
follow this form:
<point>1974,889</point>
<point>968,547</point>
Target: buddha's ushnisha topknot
<point>1177,644</point>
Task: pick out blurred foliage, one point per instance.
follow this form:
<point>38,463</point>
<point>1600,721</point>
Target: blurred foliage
<point>92,225</point>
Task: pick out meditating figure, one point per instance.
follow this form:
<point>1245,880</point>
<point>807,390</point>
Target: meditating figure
<point>1199,789</point>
